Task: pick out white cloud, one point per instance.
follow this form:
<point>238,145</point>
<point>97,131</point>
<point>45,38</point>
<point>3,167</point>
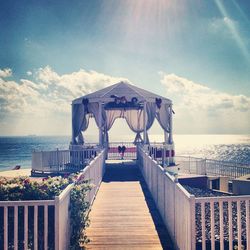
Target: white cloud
<point>220,26</point>
<point>5,73</point>
<point>49,94</point>
<point>206,107</point>
<point>29,73</point>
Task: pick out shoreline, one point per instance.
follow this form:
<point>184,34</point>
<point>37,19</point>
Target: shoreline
<point>15,173</point>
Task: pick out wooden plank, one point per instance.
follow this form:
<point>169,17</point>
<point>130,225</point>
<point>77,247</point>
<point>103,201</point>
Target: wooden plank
<point>124,215</point>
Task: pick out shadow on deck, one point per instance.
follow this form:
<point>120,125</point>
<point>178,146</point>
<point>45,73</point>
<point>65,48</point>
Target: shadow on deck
<point>124,215</point>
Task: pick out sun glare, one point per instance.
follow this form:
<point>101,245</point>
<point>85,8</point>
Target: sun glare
<point>144,20</point>
<point>233,29</point>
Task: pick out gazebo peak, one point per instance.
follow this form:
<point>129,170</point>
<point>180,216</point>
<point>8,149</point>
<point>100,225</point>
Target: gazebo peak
<point>121,89</point>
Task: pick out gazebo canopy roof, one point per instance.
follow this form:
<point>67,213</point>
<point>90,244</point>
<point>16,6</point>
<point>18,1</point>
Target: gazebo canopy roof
<point>121,89</point>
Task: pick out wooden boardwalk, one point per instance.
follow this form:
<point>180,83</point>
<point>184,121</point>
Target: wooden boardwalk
<point>124,215</point>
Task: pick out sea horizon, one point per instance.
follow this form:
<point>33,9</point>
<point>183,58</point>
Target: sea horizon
<point>17,150</point>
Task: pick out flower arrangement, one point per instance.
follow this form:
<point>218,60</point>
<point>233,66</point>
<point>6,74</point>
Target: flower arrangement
<point>23,188</point>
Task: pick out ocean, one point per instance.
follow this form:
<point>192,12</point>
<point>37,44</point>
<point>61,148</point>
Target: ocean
<point>18,150</point>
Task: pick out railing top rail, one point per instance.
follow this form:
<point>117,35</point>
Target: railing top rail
<point>27,203</point>
<point>122,142</point>
<point>213,160</point>
<point>64,193</point>
<point>50,151</point>
<point>66,150</point>
<point>221,199</point>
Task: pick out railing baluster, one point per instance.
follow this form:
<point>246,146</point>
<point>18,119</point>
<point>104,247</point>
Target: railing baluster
<point>239,224</point>
<point>221,225</point>
<point>6,243</point>
<point>15,227</point>
<point>45,227</point>
<point>35,228</point>
<point>212,225</point>
<point>230,225</point>
<point>25,227</point>
<point>248,224</point>
<point>203,226</point>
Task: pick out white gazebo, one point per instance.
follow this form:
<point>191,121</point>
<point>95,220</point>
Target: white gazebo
<point>122,100</point>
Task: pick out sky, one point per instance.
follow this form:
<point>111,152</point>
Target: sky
<point>194,52</point>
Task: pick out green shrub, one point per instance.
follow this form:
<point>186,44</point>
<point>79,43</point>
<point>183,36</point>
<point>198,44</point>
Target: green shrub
<point>22,188</point>
<point>79,214</point>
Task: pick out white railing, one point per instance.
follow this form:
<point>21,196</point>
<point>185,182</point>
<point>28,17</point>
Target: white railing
<point>59,161</point>
<point>164,154</point>
<point>38,229</point>
<point>223,222</point>
<point>197,222</point>
<point>94,173</point>
<point>130,152</point>
<point>175,204</point>
<point>193,165</point>
<point>36,213</point>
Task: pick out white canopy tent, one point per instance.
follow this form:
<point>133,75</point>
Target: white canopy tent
<point>122,100</point>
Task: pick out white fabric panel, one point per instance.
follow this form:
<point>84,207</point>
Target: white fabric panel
<point>80,138</point>
<point>111,116</point>
<point>78,121</point>
<point>163,116</point>
<point>134,119</point>
<point>94,109</point>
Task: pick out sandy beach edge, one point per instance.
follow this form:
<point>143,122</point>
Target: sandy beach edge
<point>15,173</point>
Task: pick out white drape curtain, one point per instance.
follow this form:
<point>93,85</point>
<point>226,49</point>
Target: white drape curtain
<point>134,118</point>
<point>163,116</point>
<point>80,122</point>
<point>111,116</point>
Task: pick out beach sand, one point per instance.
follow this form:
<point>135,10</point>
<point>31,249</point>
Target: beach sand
<point>15,173</point>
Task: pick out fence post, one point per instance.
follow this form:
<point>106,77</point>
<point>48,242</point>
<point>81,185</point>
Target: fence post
<point>57,221</point>
<point>42,160</point>
<point>205,165</point>
<point>189,166</point>
<point>57,160</point>
<point>192,223</point>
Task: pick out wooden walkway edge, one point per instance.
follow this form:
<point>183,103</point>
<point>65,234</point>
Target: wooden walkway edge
<point>124,215</point>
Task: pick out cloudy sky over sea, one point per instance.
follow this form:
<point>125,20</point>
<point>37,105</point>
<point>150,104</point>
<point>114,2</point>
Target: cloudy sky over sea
<point>195,52</point>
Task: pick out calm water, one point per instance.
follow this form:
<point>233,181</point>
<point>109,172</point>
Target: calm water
<point>17,150</point>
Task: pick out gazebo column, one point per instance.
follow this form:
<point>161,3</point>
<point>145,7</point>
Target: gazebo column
<point>165,159</point>
<point>72,128</point>
<point>144,123</point>
<point>165,137</point>
<point>100,124</point>
<point>170,139</point>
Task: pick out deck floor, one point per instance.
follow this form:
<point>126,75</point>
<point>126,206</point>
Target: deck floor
<point>124,215</point>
